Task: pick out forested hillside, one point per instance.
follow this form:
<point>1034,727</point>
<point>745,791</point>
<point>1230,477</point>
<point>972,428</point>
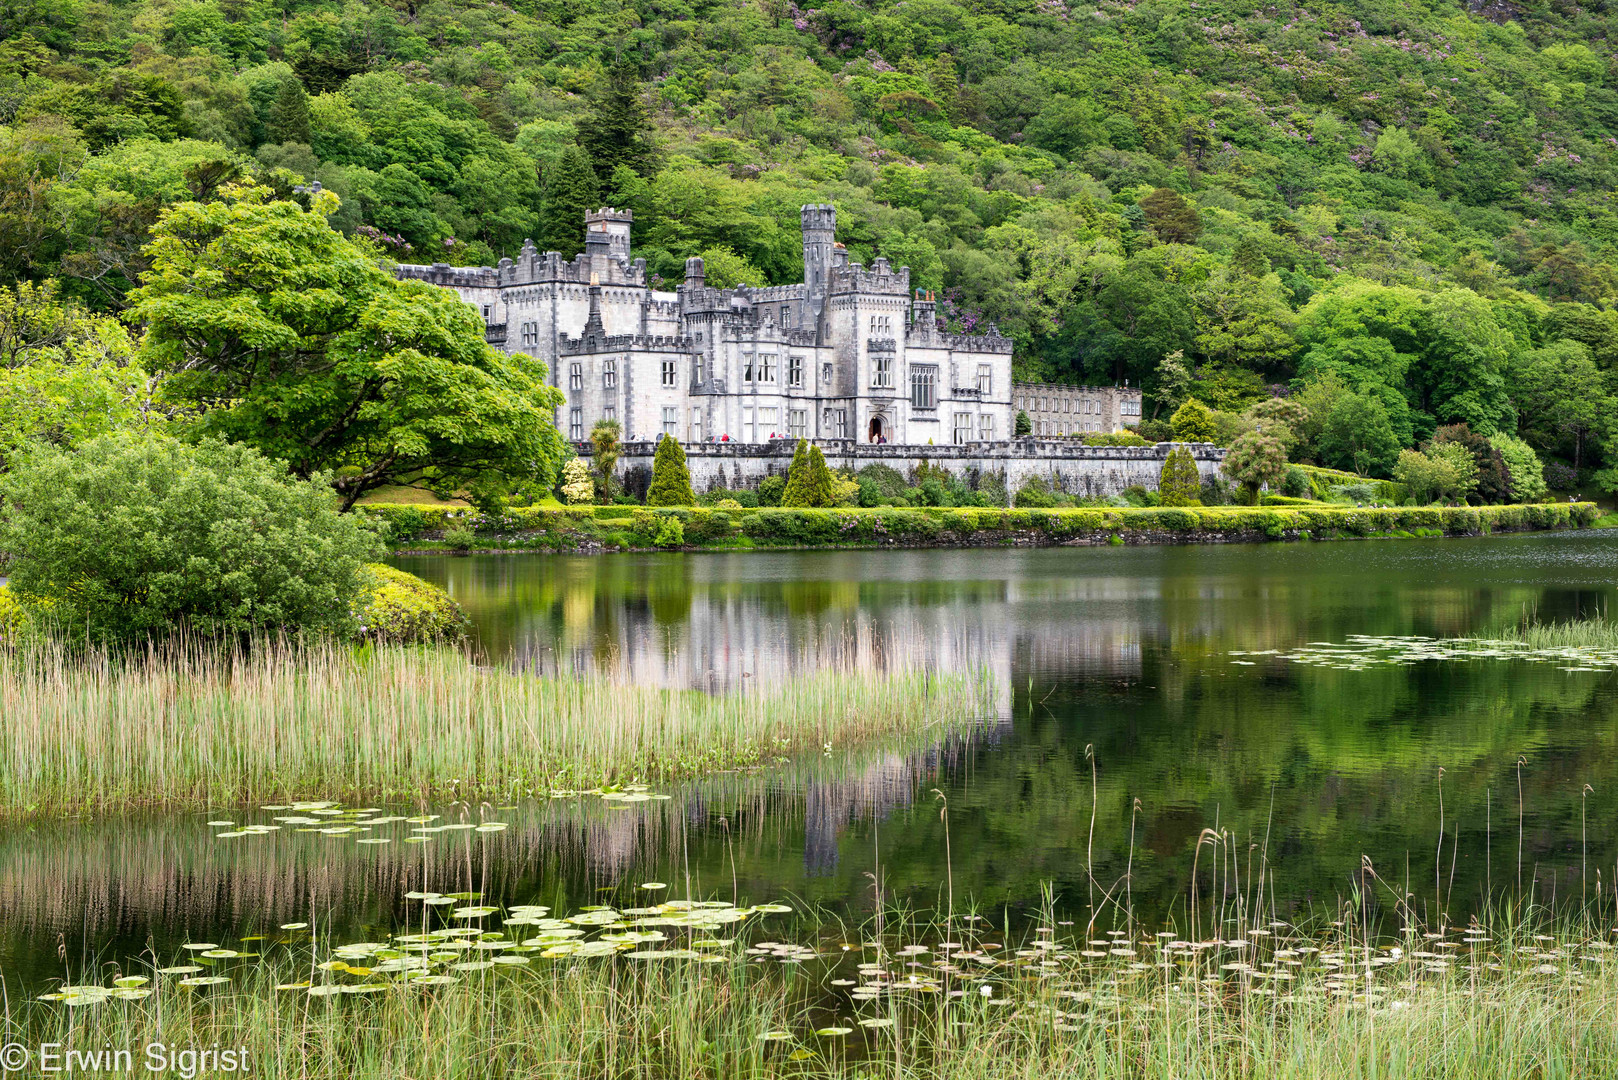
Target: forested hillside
<point>1402,209</point>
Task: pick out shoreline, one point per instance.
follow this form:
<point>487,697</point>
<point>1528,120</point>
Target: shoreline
<point>208,729</point>
<point>609,530</point>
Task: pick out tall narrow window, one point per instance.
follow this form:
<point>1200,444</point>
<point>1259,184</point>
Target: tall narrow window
<point>575,377</point>
<point>923,387</point>
<point>747,367</point>
<point>795,371</point>
<point>786,316</point>
<point>609,373</point>
<point>575,425</point>
<point>963,428</point>
<point>798,423</point>
<point>882,371</point>
<point>985,379</point>
<point>671,419</point>
<point>749,428</point>
<point>610,412</point>
<point>986,427</point>
<point>696,424</point>
<point>766,368</point>
<point>671,375</point>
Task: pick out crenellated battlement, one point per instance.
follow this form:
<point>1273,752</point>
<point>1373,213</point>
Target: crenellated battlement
<point>571,346</point>
<point>453,277</point>
<point>881,279</point>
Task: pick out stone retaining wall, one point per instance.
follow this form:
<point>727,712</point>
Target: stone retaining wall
<point>1068,466</point>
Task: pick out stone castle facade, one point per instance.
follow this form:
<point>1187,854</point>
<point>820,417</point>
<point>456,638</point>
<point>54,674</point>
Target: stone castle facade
<point>849,354</point>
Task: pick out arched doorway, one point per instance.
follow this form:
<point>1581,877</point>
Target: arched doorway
<point>878,429</point>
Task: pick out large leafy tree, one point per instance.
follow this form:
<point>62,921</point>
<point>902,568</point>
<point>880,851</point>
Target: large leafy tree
<point>65,375</point>
<point>270,328</point>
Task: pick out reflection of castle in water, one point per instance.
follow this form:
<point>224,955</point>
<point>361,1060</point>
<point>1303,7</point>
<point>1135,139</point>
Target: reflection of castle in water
<point>705,636</point>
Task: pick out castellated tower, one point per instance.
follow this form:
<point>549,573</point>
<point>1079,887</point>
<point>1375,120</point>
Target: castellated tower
<point>606,232</point>
<point>819,234</point>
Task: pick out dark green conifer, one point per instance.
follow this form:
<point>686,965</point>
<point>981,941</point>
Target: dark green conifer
<point>809,481</point>
<point>618,129</point>
<point>572,190</point>
<point>671,477</point>
<point>1179,483</point>
<point>289,115</point>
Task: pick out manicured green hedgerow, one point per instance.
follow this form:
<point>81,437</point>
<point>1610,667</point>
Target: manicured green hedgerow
<point>801,527</point>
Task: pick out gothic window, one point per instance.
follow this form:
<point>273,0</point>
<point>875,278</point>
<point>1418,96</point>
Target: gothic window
<point>923,387</point>
<point>671,375</point>
<point>575,425</point>
<point>882,371</point>
<point>794,371</point>
<point>575,377</point>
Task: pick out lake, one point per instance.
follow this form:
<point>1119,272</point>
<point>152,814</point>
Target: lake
<point>1146,694</point>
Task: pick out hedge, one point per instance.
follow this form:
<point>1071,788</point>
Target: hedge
<point>1322,479</point>
<point>784,527</point>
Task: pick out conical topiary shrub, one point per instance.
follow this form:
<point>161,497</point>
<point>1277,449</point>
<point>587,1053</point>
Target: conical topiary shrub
<point>671,478</point>
<point>809,481</point>
<point>1179,483</point>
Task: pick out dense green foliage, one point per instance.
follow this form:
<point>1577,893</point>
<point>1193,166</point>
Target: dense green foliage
<point>671,477</point>
<point>1193,422</point>
<point>131,536</point>
<point>400,608</point>
<point>64,375</point>
<point>275,330</point>
<point>1215,201</point>
<point>1178,482</point>
<point>809,481</point>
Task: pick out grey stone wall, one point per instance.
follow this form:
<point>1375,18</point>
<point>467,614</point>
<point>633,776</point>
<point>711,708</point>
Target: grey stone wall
<point>1092,471</point>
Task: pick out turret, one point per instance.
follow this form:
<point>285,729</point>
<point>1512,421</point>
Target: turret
<point>819,234</point>
<point>606,232</point>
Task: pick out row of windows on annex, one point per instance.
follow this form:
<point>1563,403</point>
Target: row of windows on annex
<point>1127,407</point>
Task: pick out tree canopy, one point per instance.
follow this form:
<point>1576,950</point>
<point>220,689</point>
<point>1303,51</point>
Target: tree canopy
<point>269,327</point>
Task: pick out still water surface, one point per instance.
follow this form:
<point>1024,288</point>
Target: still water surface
<point>1116,676</point>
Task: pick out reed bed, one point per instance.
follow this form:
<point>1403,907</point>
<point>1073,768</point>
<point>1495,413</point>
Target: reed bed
<point>194,726</point>
<point>1572,634</point>
<point>965,1000</point>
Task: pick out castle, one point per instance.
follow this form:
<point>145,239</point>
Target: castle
<point>849,354</point>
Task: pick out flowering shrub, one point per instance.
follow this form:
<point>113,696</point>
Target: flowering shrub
<point>400,608</point>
